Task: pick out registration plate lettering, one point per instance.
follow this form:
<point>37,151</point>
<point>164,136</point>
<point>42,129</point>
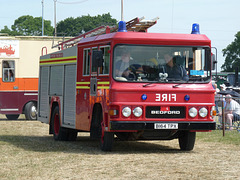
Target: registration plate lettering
<point>166,126</point>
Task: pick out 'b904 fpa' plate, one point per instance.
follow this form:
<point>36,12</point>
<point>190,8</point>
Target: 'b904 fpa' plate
<point>166,126</point>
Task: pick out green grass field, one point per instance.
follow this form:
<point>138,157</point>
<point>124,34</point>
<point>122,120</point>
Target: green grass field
<point>230,137</point>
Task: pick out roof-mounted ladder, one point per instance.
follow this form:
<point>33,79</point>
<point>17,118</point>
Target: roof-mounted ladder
<point>137,25</point>
<point>140,24</point>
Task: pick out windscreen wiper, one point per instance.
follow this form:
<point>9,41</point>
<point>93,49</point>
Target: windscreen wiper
<point>161,80</point>
<point>176,85</point>
<point>145,85</point>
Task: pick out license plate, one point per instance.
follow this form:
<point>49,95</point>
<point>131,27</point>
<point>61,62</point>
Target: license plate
<point>166,126</point>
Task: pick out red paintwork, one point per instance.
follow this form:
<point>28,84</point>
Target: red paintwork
<point>123,93</point>
<point>149,38</point>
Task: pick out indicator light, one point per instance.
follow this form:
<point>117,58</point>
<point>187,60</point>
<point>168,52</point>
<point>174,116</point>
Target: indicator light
<point>213,111</point>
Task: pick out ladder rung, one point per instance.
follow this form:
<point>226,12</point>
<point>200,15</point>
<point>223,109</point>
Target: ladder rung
<point>136,24</point>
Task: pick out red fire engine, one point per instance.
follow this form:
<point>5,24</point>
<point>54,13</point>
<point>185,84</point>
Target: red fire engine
<point>128,84</point>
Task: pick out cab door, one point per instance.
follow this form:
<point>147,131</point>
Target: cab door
<point>83,89</point>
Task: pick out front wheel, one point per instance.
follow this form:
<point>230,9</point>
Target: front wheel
<point>31,111</point>
<point>187,140</point>
<point>106,141</point>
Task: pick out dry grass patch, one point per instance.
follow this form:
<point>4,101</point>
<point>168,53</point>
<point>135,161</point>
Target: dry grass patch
<point>28,152</point>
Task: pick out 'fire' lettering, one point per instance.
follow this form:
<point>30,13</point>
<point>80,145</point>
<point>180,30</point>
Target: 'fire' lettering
<point>166,97</point>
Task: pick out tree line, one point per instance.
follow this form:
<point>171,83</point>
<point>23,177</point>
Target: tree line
<point>32,26</point>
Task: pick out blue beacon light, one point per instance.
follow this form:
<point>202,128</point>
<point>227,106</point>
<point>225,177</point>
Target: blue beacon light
<point>144,97</point>
<point>186,97</point>
<point>195,29</point>
<point>122,26</point>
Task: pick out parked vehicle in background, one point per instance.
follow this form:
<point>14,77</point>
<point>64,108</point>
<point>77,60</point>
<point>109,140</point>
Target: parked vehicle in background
<point>19,68</point>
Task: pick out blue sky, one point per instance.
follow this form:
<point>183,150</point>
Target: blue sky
<point>218,19</point>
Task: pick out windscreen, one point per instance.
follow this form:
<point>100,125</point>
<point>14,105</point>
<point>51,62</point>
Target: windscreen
<point>143,63</point>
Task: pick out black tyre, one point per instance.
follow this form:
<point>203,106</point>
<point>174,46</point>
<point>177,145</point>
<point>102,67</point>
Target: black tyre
<point>96,130</point>
<point>72,134</point>
<point>187,140</point>
<point>61,133</point>
<point>31,111</point>
<point>12,116</point>
<point>106,141</point>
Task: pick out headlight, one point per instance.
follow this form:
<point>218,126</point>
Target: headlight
<point>193,112</point>
<point>203,112</point>
<point>137,111</point>
<point>126,112</point>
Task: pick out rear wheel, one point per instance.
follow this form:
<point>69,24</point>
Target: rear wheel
<point>31,111</point>
<point>61,133</point>
<point>12,116</point>
<point>187,140</point>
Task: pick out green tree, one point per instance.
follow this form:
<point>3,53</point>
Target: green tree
<point>75,26</point>
<point>6,30</point>
<point>232,54</point>
<point>29,26</point>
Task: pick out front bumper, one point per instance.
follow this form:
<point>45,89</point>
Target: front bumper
<point>149,125</point>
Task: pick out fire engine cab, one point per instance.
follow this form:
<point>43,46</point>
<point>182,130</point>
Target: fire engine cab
<point>129,84</point>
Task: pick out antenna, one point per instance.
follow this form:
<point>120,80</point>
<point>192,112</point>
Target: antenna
<point>55,23</point>
<point>42,18</point>
<point>122,19</point>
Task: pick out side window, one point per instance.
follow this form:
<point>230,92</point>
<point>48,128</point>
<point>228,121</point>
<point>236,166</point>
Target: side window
<point>106,58</point>
<point>86,62</point>
<point>8,71</point>
<point>94,69</point>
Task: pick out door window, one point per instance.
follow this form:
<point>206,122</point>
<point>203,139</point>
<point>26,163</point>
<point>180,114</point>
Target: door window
<point>8,71</point>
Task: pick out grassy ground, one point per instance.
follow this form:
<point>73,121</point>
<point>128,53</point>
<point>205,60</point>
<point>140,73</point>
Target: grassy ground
<point>28,152</point>
<point>230,137</point>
